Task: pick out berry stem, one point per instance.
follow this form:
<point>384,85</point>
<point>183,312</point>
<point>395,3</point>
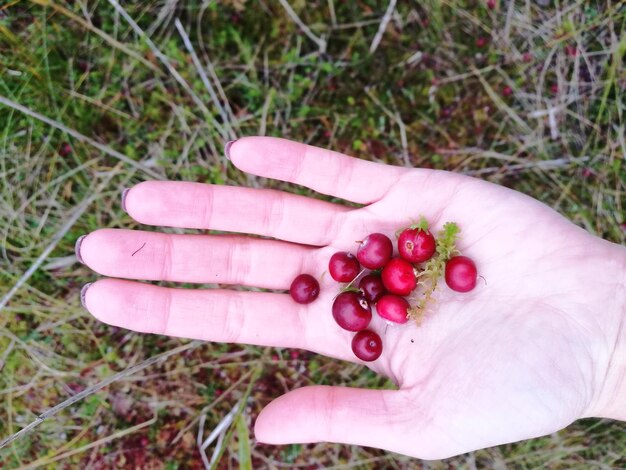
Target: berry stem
<point>348,287</point>
<point>435,268</point>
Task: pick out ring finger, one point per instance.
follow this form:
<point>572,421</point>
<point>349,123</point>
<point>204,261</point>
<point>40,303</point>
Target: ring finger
<point>259,318</point>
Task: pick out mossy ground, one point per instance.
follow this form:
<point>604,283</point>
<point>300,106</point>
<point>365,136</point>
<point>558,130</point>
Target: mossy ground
<point>528,94</point>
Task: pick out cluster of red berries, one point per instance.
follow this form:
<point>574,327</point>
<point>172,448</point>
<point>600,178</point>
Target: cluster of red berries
<point>389,281</point>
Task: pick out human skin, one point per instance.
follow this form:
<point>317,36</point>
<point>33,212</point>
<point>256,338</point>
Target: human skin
<point>537,345</point>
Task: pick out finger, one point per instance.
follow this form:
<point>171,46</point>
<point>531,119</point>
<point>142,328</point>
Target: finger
<point>324,171</point>
<point>221,259</point>
<point>260,318</point>
<point>257,211</point>
<point>376,418</point>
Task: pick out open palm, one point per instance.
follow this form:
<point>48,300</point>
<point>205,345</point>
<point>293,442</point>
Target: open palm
<point>522,355</point>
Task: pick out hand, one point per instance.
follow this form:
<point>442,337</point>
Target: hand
<point>524,354</point>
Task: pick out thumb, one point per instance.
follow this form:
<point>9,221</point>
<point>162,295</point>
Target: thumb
<point>375,418</point>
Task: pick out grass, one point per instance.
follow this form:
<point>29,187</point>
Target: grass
<point>524,95</point>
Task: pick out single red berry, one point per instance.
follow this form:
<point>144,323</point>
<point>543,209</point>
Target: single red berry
<point>554,89</point>
<point>65,149</point>
<point>393,308</point>
<point>367,345</point>
<point>398,276</point>
<point>481,41</point>
<point>304,289</point>
<point>343,267</point>
<point>491,4</point>
<point>372,287</point>
<point>75,387</point>
<point>571,50</point>
<point>351,311</point>
<point>461,274</point>
<point>527,57</point>
<point>416,245</point>
<point>375,251</point>
<point>507,91</point>
<point>446,112</point>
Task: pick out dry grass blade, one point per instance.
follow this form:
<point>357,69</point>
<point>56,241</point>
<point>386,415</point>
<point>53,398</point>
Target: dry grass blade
<point>80,137</point>
<point>94,444</point>
<point>6,353</point>
<point>499,102</point>
<point>321,42</point>
<point>114,42</point>
<point>395,116</point>
<point>383,25</point>
<point>77,212</point>
<point>204,78</point>
<point>99,386</point>
<point>217,433</point>
<point>168,65</point>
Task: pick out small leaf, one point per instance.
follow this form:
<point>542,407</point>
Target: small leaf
<point>245,461</point>
<point>422,224</point>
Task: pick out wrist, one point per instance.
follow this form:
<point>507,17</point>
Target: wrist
<point>611,401</point>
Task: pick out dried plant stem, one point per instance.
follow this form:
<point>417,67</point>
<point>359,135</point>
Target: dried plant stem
<point>95,388</point>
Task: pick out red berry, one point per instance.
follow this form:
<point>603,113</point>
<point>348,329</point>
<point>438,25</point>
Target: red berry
<point>491,4</point>
<point>304,289</point>
<point>351,311</point>
<point>65,149</point>
<point>372,287</point>
<point>507,91</point>
<point>398,277</point>
<point>481,42</point>
<point>416,245</point>
<point>571,50</point>
<point>367,345</point>
<point>343,267</point>
<point>461,274</point>
<point>375,251</point>
<point>393,308</point>
<point>446,112</point>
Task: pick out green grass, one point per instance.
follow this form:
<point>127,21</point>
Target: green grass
<point>430,96</point>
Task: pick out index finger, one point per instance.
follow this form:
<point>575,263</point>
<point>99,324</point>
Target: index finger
<point>322,170</point>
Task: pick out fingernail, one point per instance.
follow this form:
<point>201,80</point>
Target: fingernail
<point>124,194</point>
<point>83,291</point>
<point>227,148</point>
<point>79,242</point>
